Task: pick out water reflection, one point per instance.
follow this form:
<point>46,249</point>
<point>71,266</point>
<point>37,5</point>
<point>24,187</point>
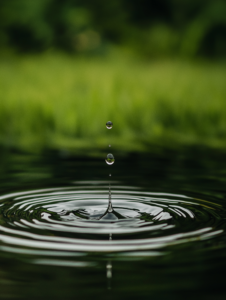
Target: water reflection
<point>169,235</point>
<point>109,268</point>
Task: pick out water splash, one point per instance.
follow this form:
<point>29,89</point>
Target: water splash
<point>71,219</point>
<point>110,208</point>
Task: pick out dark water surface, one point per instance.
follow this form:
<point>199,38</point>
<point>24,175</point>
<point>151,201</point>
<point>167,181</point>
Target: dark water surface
<point>165,238</point>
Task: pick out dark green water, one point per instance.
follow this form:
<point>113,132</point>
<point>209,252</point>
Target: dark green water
<point>170,243</point>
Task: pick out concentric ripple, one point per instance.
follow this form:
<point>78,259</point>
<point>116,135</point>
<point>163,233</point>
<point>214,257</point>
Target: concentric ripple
<point>69,220</point>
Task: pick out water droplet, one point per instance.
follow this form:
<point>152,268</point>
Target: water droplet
<point>109,145</point>
<point>109,125</point>
<point>109,174</point>
<point>110,159</point>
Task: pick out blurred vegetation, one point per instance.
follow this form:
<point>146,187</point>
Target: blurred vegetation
<point>62,75</point>
<point>61,101</point>
<point>150,27</point>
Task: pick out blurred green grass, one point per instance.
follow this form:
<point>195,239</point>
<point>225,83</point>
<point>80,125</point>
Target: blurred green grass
<point>59,101</point>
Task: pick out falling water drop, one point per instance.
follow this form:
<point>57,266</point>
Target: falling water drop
<point>110,159</point>
<point>109,125</point>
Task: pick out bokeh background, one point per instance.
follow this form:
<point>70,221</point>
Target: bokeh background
<point>156,68</point>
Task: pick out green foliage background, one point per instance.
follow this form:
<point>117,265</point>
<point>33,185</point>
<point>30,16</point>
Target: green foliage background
<point>155,68</point>
<point>150,27</point>
<point>57,101</point>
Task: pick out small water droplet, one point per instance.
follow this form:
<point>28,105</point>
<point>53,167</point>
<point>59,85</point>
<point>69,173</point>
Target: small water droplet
<point>110,159</point>
<point>109,125</point>
<point>109,145</point>
<point>109,174</point>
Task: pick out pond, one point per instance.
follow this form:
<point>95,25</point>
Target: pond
<point>164,238</point>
